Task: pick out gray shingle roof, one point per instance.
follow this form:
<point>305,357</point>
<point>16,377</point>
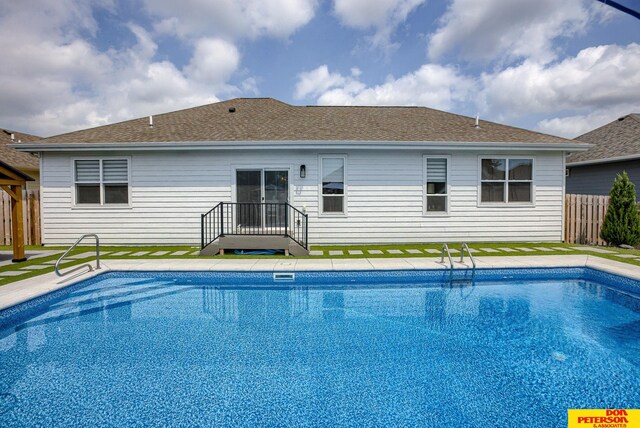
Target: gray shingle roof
<point>13,157</point>
<point>15,171</point>
<point>619,138</point>
<point>267,119</point>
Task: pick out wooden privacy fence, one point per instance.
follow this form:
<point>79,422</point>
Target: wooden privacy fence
<point>31,213</point>
<point>584,215</point>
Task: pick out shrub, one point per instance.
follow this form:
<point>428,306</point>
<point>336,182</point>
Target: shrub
<point>622,222</point>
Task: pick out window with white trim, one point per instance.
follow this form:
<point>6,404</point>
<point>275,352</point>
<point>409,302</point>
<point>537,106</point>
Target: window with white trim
<point>101,181</point>
<point>506,180</point>
<point>332,172</point>
<point>436,185</point>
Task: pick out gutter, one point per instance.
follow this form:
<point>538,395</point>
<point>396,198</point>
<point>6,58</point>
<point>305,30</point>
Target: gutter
<point>292,145</point>
<point>604,160</point>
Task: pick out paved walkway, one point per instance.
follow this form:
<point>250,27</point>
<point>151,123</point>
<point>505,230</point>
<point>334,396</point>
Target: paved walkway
<point>7,255</point>
<point>17,292</point>
<point>407,256</point>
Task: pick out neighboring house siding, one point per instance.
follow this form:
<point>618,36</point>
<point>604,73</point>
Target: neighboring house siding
<point>384,198</point>
<point>598,179</point>
<point>35,184</point>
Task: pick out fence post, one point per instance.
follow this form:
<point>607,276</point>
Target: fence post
<point>574,200</point>
<point>35,206</point>
<point>603,212</point>
<point>590,239</point>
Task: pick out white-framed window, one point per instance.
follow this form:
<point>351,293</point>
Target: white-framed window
<point>436,184</point>
<point>332,184</point>
<point>101,181</point>
<point>506,180</point>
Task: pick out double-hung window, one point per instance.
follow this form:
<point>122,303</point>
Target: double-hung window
<point>506,180</point>
<point>101,181</point>
<point>436,184</point>
<point>332,170</point>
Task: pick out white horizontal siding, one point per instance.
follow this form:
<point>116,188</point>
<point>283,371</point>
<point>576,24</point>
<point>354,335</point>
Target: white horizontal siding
<point>169,192</point>
<point>385,203</point>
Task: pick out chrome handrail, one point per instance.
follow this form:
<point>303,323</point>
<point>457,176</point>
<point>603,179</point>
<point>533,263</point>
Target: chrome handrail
<point>466,247</point>
<point>84,265</point>
<point>445,247</point>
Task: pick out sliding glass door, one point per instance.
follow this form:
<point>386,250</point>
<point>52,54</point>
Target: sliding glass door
<point>254,186</point>
<point>249,196</point>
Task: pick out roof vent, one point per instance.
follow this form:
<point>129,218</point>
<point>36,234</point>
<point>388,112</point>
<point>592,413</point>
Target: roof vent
<point>13,137</point>
<point>150,121</point>
<point>477,125</point>
<point>232,109</point>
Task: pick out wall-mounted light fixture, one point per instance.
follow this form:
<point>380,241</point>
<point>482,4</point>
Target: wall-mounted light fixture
<point>303,171</point>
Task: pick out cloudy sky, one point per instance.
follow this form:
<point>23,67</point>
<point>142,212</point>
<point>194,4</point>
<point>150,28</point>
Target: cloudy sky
<point>562,67</point>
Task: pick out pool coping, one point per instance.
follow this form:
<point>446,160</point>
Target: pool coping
<point>22,291</point>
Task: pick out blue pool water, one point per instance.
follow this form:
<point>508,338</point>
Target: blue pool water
<point>516,349</point>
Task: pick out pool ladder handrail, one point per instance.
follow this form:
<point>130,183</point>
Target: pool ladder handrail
<point>77,268</point>
<point>445,250</point>
<point>466,247</point>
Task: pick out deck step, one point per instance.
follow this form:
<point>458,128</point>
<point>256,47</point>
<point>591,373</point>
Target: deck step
<point>244,242</point>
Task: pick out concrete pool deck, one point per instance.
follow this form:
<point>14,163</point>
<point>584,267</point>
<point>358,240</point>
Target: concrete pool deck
<point>21,291</point>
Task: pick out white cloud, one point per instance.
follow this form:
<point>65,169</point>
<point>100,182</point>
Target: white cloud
<point>54,80</point>
<point>596,86</point>
<point>578,94</point>
<point>250,86</point>
<point>596,79</point>
<point>383,16</point>
<point>573,126</point>
<point>45,62</point>
<point>231,18</point>
<point>364,14</point>
<point>64,18</point>
<point>507,30</point>
<point>432,85</point>
<point>213,60</point>
<point>317,81</point>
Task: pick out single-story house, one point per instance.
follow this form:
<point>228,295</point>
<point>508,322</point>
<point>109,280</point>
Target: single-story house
<point>615,148</point>
<point>24,162</point>
<point>349,174</point>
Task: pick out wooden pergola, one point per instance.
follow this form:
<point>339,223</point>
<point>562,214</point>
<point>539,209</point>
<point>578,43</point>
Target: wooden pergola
<point>13,181</point>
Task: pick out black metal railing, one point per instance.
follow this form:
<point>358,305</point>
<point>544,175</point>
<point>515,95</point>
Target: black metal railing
<point>249,218</point>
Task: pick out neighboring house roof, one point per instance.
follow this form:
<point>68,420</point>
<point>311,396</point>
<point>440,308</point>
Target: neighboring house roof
<point>267,119</point>
<point>13,157</point>
<point>12,171</point>
<point>617,140</point>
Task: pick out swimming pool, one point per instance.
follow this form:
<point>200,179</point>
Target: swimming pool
<point>389,348</point>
